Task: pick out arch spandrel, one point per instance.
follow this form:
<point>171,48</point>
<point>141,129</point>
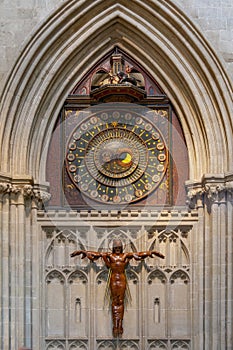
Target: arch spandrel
<point>184,66</point>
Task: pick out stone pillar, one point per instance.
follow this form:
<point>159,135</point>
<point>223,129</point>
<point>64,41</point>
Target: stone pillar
<point>198,276</point>
<point>5,267</point>
<point>19,256</point>
<point>213,263</point>
<point>229,269</point>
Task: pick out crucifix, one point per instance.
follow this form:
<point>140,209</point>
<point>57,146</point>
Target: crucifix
<point>117,261</point>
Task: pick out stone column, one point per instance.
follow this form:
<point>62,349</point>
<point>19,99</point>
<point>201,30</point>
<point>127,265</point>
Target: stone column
<point>229,268</point>
<point>19,256</point>
<point>5,266</point>
<point>197,260</point>
<point>213,263</point>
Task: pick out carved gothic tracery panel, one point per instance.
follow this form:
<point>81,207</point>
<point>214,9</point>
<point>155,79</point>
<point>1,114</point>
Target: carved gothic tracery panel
<point>80,286</point>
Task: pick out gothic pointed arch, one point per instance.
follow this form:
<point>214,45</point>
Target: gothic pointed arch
<point>62,50</point>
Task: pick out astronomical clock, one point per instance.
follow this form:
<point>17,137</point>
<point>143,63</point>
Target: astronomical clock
<point>117,141</point>
<point>116,156</point>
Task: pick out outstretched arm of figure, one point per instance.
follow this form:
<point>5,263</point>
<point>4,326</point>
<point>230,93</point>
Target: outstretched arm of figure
<point>87,253</point>
<point>105,257</point>
<point>160,255</point>
<point>150,253</point>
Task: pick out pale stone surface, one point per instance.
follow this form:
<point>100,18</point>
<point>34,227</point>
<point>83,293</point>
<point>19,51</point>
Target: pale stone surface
<point>215,20</point>
<point>18,21</point>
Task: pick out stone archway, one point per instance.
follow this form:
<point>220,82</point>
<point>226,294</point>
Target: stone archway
<point>59,53</point>
<point>63,49</point>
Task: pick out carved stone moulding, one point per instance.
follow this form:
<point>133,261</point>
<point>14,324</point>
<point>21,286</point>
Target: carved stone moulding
<point>122,217</point>
<point>171,344</point>
<point>118,93</point>
<point>54,344</point>
<point>212,188</point>
<point>117,344</point>
<point>24,187</point>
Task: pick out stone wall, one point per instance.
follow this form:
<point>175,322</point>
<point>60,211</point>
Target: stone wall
<point>215,19</point>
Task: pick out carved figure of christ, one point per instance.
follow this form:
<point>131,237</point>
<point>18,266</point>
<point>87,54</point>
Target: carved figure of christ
<point>117,261</point>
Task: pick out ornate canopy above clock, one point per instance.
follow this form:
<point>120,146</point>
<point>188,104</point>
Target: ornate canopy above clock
<point>117,141</point>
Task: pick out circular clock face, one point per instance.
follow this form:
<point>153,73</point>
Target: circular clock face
<point>116,157</point>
